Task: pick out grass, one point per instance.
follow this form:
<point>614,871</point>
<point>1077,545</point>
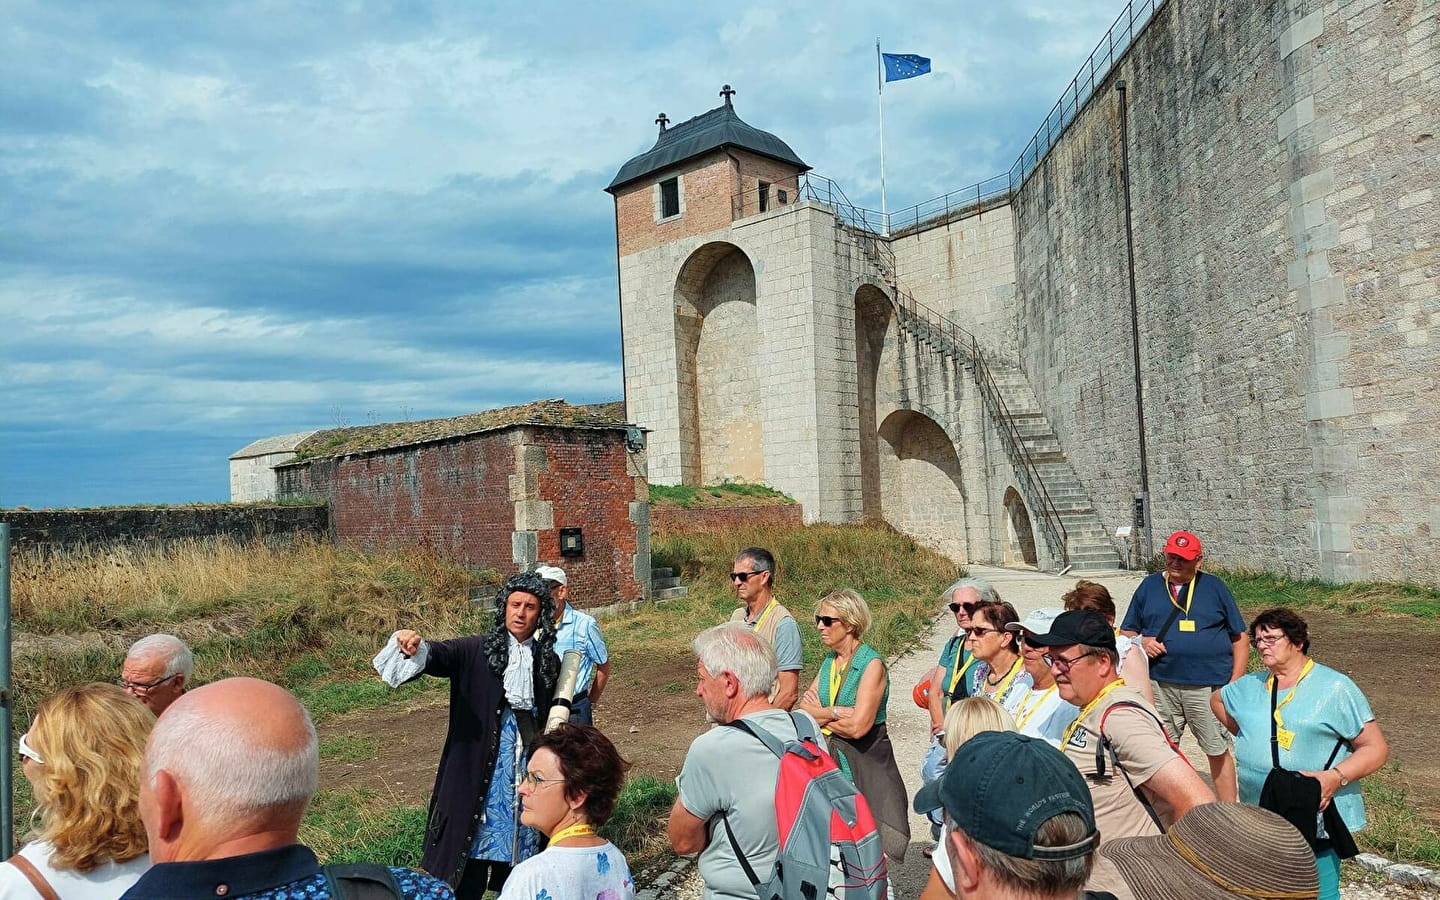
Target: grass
<point>638,824</point>
<point>1394,829</point>
<point>727,493</point>
<point>363,826</point>
<point>349,747</point>
<point>1264,589</point>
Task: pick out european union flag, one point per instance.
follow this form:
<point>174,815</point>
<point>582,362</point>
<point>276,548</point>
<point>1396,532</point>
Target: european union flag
<point>899,66</point>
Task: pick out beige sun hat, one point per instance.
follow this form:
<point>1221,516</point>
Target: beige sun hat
<point>1216,852</point>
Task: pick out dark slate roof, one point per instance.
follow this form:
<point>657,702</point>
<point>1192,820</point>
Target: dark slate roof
<point>719,127</point>
<point>373,438</point>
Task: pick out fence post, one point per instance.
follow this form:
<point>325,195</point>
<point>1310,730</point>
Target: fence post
<point>7,701</point>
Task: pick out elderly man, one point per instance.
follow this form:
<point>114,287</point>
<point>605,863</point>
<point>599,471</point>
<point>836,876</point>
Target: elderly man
<point>575,630</point>
<point>1192,632</point>
<point>1117,742</point>
<point>1042,713</point>
<point>157,670</point>
<point>754,579</point>
<point>228,772</point>
<point>1019,817</point>
<point>728,773</point>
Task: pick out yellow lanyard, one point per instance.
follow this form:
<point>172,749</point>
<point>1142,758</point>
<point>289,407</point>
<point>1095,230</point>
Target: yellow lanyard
<point>837,678</point>
<point>576,830</point>
<point>1189,594</point>
<point>959,669</point>
<point>1270,686</point>
<point>1065,738</point>
<point>1027,712</point>
<point>763,614</point>
<point>999,691</point>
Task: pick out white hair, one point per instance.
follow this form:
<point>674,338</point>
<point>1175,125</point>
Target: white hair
<point>177,656</point>
<point>228,776</point>
<point>980,586</point>
<point>736,649</point>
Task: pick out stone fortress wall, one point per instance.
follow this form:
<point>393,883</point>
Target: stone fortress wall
<point>1284,172</point>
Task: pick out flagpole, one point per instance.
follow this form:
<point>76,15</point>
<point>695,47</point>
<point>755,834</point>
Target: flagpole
<point>880,94</point>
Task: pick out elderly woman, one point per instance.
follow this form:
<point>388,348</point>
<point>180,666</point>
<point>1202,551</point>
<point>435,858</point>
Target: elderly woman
<point>1000,673</point>
<point>848,699</point>
<point>567,793</point>
<point>1134,665</point>
<point>501,685</point>
<point>964,720</point>
<point>82,759</point>
<point>1322,727</point>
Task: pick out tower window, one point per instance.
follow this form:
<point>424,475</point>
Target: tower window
<point>764,194</point>
<point>669,198</point>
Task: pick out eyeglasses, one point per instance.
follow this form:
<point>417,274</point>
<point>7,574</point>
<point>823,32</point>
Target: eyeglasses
<point>1063,664</point>
<point>744,576</point>
<point>1267,640</point>
<point>968,607</point>
<point>136,687</point>
<point>538,780</point>
<point>979,631</point>
<point>23,747</point>
<point>826,621</point>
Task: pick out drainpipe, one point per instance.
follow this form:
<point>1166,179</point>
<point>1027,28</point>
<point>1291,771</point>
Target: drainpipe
<point>1135,324</point>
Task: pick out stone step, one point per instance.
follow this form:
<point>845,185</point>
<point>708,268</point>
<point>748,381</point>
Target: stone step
<point>663,573</point>
<point>670,594</point>
<point>661,584</point>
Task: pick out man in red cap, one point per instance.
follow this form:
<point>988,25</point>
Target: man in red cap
<point>1191,629</point>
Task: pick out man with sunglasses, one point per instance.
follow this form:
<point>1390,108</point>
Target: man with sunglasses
<point>156,671</point>
<point>1139,781</point>
<point>753,577</point>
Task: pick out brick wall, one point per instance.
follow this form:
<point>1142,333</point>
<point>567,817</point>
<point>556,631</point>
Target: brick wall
<point>496,500</point>
<point>669,520</point>
<point>56,529</point>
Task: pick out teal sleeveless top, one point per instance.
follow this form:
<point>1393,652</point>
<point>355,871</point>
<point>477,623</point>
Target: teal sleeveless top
<point>851,685</point>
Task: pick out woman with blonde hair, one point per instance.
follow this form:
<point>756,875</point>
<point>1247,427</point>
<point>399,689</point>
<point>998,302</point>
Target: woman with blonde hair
<point>82,758</point>
<point>847,699</point>
<point>963,720</point>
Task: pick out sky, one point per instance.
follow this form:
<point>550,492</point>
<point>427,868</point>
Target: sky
<point>229,220</point>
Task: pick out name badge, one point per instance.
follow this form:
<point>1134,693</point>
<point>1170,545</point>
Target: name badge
<point>1284,737</point>
<point>1187,624</point>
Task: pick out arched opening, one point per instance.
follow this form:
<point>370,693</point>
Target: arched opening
<point>1019,536</point>
<point>920,471</point>
<point>717,334</point>
<point>872,322</point>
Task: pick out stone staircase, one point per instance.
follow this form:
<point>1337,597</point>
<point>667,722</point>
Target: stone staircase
<point>665,585</point>
<point>1060,498</point>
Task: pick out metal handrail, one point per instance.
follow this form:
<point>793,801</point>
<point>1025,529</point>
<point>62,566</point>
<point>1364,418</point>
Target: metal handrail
<point>965,343</point>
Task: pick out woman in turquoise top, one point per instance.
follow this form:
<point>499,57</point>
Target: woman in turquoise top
<point>1316,710</point>
<point>848,699</point>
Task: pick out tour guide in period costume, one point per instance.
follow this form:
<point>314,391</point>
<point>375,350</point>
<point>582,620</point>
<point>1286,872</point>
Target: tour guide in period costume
<point>501,685</point>
<point>1191,629</point>
<point>754,581</point>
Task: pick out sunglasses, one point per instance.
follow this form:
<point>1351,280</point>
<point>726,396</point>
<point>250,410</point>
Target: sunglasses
<point>743,576</point>
<point>826,621</point>
<point>968,607</point>
<point>979,631</point>
<point>23,747</point>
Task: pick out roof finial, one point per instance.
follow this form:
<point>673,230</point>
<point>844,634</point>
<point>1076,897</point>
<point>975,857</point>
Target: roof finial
<point>727,92</point>
<point>663,121</point>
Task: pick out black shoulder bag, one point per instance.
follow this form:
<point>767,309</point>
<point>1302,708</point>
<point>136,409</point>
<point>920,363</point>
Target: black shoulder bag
<point>1296,797</point>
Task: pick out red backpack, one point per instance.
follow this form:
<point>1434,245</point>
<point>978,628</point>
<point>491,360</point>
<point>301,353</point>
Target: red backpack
<point>829,844</point>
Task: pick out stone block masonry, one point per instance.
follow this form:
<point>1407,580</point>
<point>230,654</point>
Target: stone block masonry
<point>114,526</point>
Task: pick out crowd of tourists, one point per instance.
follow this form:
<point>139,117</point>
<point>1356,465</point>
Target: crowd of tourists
<point>1053,767</point>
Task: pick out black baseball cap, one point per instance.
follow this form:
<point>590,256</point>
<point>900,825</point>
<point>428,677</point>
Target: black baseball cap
<point>1076,626</point>
<point>1000,787</point>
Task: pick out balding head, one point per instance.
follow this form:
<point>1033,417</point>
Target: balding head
<point>230,764</point>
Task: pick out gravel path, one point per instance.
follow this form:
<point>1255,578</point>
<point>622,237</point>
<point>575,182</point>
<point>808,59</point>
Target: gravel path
<point>909,725</point>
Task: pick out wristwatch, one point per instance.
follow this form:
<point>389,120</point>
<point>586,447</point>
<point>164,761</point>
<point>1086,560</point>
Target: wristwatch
<point>1343,780</point>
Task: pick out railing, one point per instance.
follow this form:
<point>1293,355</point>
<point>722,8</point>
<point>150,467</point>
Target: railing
<point>963,342</point>
<point>977,197</point>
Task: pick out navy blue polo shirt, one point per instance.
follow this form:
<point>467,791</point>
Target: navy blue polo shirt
<point>285,873</point>
<point>1203,656</point>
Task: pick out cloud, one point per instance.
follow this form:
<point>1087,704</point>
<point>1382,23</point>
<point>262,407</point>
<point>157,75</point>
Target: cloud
<point>256,218</point>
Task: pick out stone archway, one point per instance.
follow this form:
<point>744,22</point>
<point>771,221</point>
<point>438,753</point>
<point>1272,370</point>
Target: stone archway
<point>873,315</point>
<point>1019,535</point>
<point>717,333</point>
<point>922,494</point>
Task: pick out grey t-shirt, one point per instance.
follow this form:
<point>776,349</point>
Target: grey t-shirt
<point>787,647</point>
<point>729,771</point>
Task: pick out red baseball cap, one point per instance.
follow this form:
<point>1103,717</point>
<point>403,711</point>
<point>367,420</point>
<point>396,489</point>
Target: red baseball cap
<point>1184,544</point>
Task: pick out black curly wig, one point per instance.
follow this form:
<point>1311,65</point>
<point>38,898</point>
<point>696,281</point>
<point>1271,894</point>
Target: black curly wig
<point>497,643</point>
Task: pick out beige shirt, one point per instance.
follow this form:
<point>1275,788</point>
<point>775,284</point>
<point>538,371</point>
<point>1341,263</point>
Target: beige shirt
<point>1142,748</point>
